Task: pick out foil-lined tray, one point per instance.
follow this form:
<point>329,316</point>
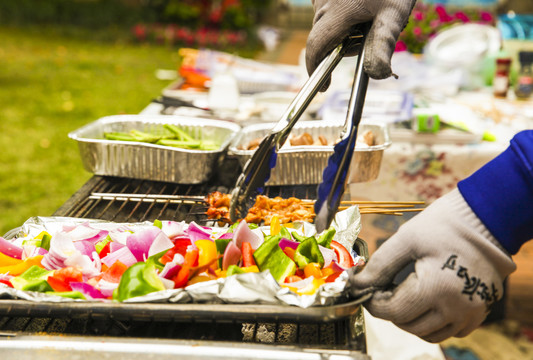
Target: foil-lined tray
<point>304,164</point>
<point>150,161</point>
<point>244,296</point>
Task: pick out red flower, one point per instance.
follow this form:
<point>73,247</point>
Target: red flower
<point>216,15</point>
<point>400,46</point>
<point>139,31</point>
<point>417,31</point>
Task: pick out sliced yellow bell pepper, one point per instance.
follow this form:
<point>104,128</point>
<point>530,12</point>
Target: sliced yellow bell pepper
<point>220,273</point>
<point>24,265</point>
<point>312,287</point>
<point>250,269</point>
<point>327,272</point>
<point>6,260</point>
<point>313,269</point>
<point>207,252</point>
<point>309,289</point>
<point>42,234</point>
<point>275,225</point>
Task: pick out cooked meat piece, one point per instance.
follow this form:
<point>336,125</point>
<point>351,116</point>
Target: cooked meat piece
<point>369,138</point>
<point>254,144</point>
<point>322,140</point>
<point>303,139</point>
<point>288,210</point>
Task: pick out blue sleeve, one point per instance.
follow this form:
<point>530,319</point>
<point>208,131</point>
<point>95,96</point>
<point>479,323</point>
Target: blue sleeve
<point>501,193</point>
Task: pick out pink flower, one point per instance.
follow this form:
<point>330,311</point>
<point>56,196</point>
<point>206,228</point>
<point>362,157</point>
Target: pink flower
<point>443,15</point>
<point>400,46</point>
<point>462,16</point>
<point>418,15</point>
<point>486,17</point>
<point>434,24</point>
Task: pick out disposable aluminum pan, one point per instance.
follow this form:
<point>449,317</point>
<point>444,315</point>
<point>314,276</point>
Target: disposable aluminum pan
<point>305,164</point>
<point>147,161</point>
<point>246,297</point>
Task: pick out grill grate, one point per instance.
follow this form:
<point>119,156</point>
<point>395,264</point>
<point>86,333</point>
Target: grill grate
<point>121,209</point>
<point>345,333</point>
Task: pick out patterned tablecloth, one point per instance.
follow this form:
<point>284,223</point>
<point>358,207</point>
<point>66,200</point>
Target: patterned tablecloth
<point>417,171</point>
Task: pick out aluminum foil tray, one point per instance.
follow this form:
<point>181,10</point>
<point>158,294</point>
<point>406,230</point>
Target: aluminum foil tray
<point>149,161</point>
<point>246,297</point>
<point>304,164</point>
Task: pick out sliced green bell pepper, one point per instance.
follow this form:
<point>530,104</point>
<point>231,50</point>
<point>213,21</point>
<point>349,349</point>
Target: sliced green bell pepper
<point>270,256</point>
<point>101,244</point>
<point>285,233</point>
<point>326,237</point>
<point>68,294</point>
<point>308,252</point>
<point>139,279</point>
<point>234,269</point>
<point>33,279</point>
<point>221,245</point>
<point>299,237</point>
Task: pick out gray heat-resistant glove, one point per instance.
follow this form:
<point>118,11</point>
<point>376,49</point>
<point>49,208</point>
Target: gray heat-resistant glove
<point>459,269</point>
<point>334,19</point>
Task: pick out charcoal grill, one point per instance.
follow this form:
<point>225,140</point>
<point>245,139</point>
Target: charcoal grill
<point>151,331</point>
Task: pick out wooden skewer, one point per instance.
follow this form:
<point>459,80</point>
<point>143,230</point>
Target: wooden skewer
<point>368,202</point>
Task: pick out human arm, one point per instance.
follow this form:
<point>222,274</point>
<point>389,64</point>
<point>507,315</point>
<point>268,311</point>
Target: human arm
<point>334,18</point>
<point>460,246</point>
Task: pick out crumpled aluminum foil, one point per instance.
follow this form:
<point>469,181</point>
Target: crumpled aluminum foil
<point>248,288</point>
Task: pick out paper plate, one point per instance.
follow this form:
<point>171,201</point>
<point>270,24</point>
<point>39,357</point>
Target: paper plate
<point>463,45</point>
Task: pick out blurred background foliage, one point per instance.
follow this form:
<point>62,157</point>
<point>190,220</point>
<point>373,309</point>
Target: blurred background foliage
<point>66,63</point>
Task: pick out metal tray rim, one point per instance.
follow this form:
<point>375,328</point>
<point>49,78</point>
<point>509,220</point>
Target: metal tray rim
<point>304,124</point>
<point>171,311</point>
<point>156,119</point>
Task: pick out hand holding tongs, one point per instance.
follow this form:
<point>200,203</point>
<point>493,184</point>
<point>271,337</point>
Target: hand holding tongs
<point>257,170</point>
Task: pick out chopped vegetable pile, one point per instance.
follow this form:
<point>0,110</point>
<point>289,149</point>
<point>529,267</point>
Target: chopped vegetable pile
<point>88,262</point>
<point>174,136</point>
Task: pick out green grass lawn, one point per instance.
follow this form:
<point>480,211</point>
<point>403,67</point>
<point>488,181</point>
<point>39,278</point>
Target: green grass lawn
<point>51,84</point>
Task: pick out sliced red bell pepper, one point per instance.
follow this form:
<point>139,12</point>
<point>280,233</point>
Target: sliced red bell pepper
<point>60,280</point>
<point>292,278</point>
<point>247,254</point>
<point>115,272</point>
<point>191,257</point>
<point>182,277</point>
<point>105,250</point>
<point>289,252</point>
<point>6,282</point>
<point>58,285</point>
<point>180,247</point>
<point>343,255</point>
<point>333,277</point>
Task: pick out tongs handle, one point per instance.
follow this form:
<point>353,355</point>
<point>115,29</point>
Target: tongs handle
<point>335,174</point>
<point>257,169</point>
<point>311,87</point>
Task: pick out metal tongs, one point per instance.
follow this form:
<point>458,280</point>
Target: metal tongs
<point>256,171</point>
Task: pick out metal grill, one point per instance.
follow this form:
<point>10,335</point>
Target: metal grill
<point>117,208</point>
<point>342,334</point>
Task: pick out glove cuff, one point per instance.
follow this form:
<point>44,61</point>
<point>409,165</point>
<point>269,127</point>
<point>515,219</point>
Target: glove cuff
<point>479,235</point>
<point>458,202</point>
